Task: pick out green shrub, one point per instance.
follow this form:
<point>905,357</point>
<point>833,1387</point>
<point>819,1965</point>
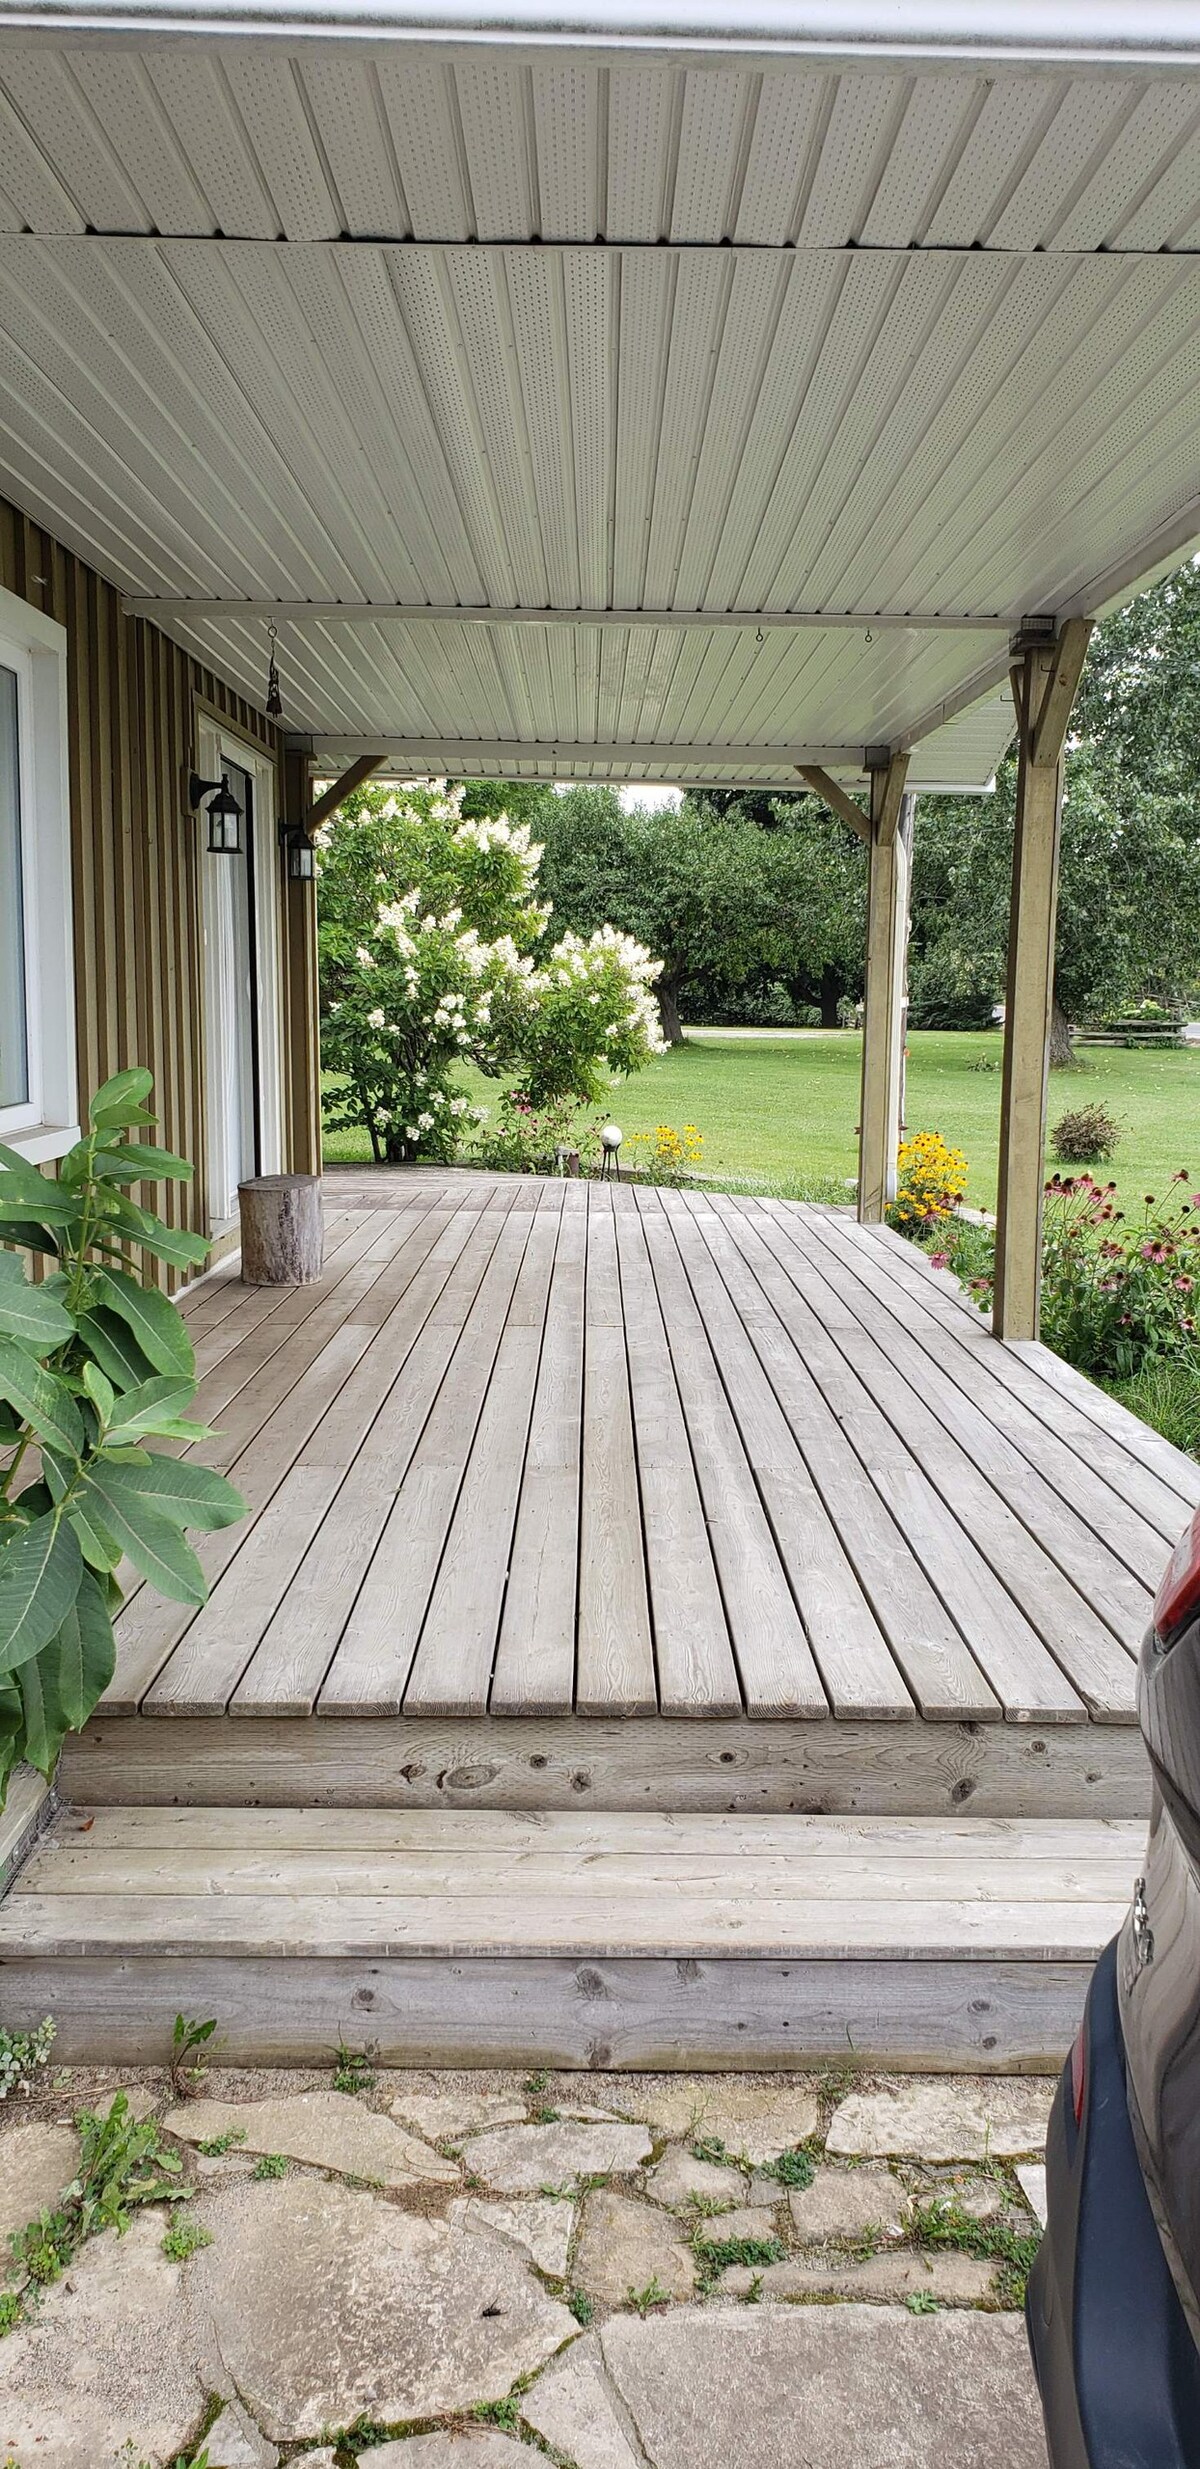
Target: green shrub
<point>94,1363</point>
<point>1085,1135</point>
<point>525,1139</point>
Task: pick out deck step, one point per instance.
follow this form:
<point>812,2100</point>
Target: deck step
<point>496,1937</point>
<point>571,1763</point>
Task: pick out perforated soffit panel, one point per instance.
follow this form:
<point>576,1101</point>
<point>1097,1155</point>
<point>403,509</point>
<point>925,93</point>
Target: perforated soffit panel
<point>947,367</point>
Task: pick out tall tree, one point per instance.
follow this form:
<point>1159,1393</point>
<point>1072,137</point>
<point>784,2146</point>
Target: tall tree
<point>724,899</point>
<point>1129,884</point>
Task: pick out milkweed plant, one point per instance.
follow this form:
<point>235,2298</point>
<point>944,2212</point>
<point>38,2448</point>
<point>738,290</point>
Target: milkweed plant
<point>96,1365</point>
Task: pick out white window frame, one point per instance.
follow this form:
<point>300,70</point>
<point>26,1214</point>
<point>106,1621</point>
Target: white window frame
<point>46,1124</point>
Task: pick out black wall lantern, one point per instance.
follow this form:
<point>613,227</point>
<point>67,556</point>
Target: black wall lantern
<point>301,856</point>
<point>223,812</point>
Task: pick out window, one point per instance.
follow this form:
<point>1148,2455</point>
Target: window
<point>37,1015</point>
<point>14,1013</point>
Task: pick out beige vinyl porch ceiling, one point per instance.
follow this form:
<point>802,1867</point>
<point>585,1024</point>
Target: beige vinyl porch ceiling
<point>595,409</point>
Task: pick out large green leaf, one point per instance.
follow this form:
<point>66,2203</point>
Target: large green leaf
<point>61,1684</point>
<point>52,1206</point>
<point>181,1489</point>
<point>28,1311</point>
<point>117,1100</point>
<point>138,1161</point>
<point>157,1326</point>
<point>169,1243</point>
<point>99,1548</point>
<point>40,1570</point>
<point>152,1543</point>
<point>115,1348</point>
<point>20,1175</point>
<point>43,1400</point>
<point>101,1393</point>
<point>29,1235</point>
<point>155,1406</point>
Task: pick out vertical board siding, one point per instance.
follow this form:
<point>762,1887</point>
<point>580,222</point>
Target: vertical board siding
<point>139,979</point>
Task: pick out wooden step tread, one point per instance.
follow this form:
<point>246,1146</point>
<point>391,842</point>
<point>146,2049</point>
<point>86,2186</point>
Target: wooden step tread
<point>456,1884</point>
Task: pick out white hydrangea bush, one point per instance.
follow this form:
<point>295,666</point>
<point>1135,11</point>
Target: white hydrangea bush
<point>434,953</point>
<point>587,1015</point>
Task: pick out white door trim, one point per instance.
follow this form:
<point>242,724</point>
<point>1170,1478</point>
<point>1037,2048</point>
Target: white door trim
<point>216,748</point>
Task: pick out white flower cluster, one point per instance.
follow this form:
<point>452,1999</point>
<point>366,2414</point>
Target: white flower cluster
<point>489,832</point>
<point>606,956</point>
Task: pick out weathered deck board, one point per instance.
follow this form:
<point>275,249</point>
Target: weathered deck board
<point>539,1450</point>
<point>721,1885</point>
<point>1089,1657</point>
<point>1122,1533</point>
<point>1142,1465</point>
<point>535,1654</point>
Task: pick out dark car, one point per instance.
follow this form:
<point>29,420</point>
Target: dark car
<point>1114,2297</point>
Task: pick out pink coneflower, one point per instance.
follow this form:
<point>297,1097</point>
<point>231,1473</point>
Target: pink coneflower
<point>1184,1285</point>
<point>1157,1252</point>
<point>941,1260</point>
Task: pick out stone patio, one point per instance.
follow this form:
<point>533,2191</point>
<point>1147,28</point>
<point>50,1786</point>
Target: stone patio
<point>449,2271</point>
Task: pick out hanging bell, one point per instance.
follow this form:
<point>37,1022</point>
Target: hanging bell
<point>274,697</point>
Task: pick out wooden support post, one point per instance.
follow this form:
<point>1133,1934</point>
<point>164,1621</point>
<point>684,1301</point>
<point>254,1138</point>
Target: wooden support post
<point>302,1007</point>
<point>883,1023</point>
<point>1044,686</point>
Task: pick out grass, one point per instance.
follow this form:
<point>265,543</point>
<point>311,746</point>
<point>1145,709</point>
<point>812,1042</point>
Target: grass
<point>781,1111</point>
<point>1166,1394</point>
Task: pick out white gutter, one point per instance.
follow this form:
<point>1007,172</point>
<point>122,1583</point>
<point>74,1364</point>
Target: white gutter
<point>1158,33</point>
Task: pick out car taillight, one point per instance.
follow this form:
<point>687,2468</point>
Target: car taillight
<point>1178,1597</point>
<point>1079,2074</point>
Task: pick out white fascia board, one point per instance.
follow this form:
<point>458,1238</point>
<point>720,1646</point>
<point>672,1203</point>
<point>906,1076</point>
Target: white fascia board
<point>1079,32</point>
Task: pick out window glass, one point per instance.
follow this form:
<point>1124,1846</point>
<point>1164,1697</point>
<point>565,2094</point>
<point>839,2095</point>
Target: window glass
<point>14,1036</point>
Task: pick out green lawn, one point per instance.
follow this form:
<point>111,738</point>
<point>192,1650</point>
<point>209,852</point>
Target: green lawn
<point>784,1108</point>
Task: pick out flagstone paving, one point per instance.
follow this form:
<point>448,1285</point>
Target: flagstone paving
<point>471,2271</point>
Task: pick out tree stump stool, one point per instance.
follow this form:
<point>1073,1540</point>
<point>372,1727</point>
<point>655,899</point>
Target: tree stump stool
<point>281,1229</point>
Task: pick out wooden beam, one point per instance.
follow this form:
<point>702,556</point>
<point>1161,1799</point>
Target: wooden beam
<point>890,795</point>
<point>838,799</point>
<point>1054,709</point>
<point>645,758</point>
<point>334,796</point>
<point>422,613</point>
<point>887,965</point>
<point>1044,690</point>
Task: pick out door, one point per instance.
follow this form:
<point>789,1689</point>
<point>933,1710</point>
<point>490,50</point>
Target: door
<point>241,924</point>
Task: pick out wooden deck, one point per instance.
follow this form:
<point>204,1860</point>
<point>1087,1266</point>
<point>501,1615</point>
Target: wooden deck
<point>539,1449</point>
<point>669,1630</point>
